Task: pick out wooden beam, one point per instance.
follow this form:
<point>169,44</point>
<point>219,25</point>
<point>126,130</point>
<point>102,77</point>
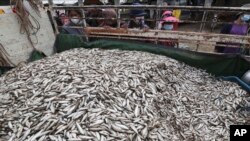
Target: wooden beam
<point>161,34</point>
<point>195,8</point>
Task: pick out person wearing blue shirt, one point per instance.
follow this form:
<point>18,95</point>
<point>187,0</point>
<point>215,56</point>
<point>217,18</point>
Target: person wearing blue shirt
<point>137,19</point>
<point>75,23</point>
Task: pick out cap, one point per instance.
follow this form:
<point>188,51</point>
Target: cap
<point>167,12</point>
<point>169,19</point>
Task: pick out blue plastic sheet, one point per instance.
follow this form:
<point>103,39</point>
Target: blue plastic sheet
<point>237,80</point>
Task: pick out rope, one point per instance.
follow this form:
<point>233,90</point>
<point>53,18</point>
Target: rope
<point>4,57</point>
<point>30,26</point>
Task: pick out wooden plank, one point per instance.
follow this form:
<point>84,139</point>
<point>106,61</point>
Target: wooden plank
<point>195,8</point>
<point>160,34</point>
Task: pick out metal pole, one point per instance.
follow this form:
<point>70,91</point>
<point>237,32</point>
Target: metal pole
<point>118,11</point>
<point>177,3</point>
<point>157,16</point>
<point>80,3</point>
<point>51,4</point>
<point>204,18</point>
<point>196,8</point>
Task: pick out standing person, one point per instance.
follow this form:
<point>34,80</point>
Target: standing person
<point>61,19</point>
<point>238,27</point>
<point>170,23</point>
<point>137,19</point>
<point>75,22</point>
<point>64,19</point>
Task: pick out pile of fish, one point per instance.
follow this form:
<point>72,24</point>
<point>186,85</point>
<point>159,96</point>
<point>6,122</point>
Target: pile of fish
<point>94,94</point>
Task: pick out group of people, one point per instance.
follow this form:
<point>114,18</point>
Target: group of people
<point>108,18</point>
<point>137,19</point>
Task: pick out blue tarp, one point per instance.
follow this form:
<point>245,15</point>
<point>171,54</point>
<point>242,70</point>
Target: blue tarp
<point>237,80</point>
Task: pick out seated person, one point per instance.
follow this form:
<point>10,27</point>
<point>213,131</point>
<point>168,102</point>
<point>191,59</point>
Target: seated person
<point>137,19</point>
<point>238,27</point>
<point>64,19</point>
<point>108,13</point>
<point>75,19</point>
<point>61,19</point>
<point>93,13</point>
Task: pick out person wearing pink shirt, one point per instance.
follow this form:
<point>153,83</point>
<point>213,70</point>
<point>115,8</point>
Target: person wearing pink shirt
<point>168,22</point>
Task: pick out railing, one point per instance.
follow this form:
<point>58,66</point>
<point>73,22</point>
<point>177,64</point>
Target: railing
<point>198,38</point>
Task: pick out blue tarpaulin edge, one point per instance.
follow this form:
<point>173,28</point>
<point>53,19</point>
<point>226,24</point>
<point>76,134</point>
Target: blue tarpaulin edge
<point>237,80</point>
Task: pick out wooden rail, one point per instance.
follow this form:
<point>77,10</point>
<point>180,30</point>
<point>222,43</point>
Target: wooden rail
<point>160,34</point>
